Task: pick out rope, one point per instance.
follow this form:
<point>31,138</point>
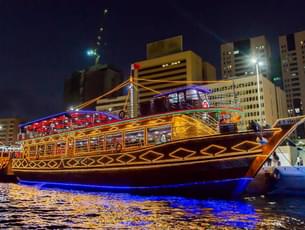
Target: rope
<point>87,103</point>
<point>140,85</point>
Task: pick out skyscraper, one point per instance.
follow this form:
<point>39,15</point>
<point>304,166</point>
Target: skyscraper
<point>236,57</point>
<point>8,130</point>
<point>273,98</point>
<point>90,83</point>
<point>292,50</point>
<point>166,61</point>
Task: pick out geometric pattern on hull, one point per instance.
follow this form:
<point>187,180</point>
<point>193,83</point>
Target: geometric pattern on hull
<point>147,157</point>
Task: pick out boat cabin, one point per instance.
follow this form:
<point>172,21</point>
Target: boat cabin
<point>188,97</point>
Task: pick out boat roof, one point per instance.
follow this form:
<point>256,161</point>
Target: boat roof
<point>194,87</point>
<point>69,113</point>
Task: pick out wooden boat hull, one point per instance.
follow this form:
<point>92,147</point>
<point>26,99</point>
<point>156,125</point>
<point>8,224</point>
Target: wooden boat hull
<point>220,164</point>
<point>207,163</point>
<point>6,176</point>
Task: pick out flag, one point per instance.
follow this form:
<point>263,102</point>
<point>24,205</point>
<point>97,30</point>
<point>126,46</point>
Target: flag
<point>135,66</point>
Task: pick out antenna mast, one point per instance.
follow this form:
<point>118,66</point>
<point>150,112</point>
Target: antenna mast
<point>99,41</point>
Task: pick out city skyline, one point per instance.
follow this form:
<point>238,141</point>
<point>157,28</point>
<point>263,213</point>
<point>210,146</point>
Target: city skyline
<point>43,43</point>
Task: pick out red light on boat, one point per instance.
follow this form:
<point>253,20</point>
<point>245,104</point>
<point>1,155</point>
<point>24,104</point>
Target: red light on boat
<point>205,104</point>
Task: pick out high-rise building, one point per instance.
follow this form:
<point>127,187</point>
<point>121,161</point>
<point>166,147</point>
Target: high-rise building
<point>292,50</point>
<point>114,105</point>
<point>166,61</point>
<point>8,130</point>
<point>90,83</point>
<point>276,72</point>
<point>236,57</point>
<point>243,91</point>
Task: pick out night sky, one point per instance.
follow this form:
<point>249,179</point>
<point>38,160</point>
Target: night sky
<point>43,42</point>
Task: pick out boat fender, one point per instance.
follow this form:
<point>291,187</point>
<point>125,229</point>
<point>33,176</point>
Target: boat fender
<point>118,147</point>
<point>122,114</point>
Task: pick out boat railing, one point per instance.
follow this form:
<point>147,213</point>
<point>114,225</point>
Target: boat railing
<point>188,126</point>
<point>206,119</point>
<point>288,121</point>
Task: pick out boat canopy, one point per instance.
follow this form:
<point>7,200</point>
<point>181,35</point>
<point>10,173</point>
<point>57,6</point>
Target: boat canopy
<point>187,97</point>
<point>185,88</point>
<point>65,121</point>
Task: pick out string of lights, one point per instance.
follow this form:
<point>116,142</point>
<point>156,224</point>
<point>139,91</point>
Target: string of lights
<point>139,85</point>
<point>145,87</point>
<point>169,81</point>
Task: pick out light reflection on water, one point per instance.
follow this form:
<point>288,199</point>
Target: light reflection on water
<point>25,207</point>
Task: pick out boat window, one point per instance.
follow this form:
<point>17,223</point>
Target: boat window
<point>159,135</point>
<point>191,94</point>
<point>181,97</point>
<point>60,148</point>
<point>173,98</point>
<point>134,138</point>
<point>41,150</point>
<point>97,143</point>
<point>203,96</point>
<point>50,149</point>
<point>114,141</point>
<point>26,150</point>
<point>81,145</point>
<point>33,150</point>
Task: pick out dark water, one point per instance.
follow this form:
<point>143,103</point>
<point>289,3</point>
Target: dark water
<point>23,207</point>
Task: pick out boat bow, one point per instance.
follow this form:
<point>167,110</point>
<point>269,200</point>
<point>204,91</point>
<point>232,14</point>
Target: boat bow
<point>282,129</point>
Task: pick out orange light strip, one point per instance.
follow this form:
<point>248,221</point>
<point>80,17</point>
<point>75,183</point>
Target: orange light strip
<point>142,86</point>
<point>168,81</point>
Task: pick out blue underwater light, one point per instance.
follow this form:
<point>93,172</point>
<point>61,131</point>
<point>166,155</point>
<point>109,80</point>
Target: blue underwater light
<point>241,185</point>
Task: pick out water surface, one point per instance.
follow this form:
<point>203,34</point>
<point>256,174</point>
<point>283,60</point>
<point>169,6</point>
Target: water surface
<point>31,207</point>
